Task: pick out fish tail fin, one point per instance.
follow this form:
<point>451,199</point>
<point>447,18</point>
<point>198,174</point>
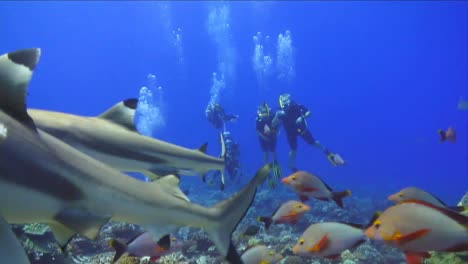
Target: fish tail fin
<point>442,134</point>
<point>338,197</point>
<point>458,209</point>
<point>229,213</point>
<point>372,220</point>
<point>223,156</point>
<point>266,220</point>
<point>120,249</point>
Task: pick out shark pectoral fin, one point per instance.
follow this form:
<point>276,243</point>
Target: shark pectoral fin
<point>152,175</point>
<point>62,234</point>
<point>122,113</point>
<point>157,172</point>
<point>81,221</point>
<point>16,70</point>
<point>230,212</point>
<point>11,250</point>
<point>171,186</point>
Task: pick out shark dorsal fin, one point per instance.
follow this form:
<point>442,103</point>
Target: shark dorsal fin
<point>16,70</point>
<point>171,185</point>
<point>122,113</point>
<point>203,148</point>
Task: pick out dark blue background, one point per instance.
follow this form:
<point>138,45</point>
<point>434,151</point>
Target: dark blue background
<point>380,78</point>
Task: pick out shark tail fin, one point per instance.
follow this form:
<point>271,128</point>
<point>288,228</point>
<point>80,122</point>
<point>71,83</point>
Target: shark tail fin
<point>120,249</point>
<point>223,156</point>
<point>230,212</point>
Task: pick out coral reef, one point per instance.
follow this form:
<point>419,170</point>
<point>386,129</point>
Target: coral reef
<point>41,246</point>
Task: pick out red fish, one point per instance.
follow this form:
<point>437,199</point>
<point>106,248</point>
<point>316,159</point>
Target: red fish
<point>417,227</point>
<point>308,185</point>
<point>144,245</point>
<point>329,239</point>
<point>260,254</point>
<point>288,212</point>
<point>413,193</point>
<point>450,134</point>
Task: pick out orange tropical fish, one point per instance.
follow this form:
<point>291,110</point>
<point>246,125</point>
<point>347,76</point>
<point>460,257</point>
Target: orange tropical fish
<point>143,245</point>
<point>288,212</point>
<point>260,254</point>
<point>450,134</point>
<point>413,193</point>
<point>417,227</point>
<point>329,239</point>
<point>308,185</point>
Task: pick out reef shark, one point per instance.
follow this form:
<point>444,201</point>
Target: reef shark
<point>44,180</point>
<point>113,139</point>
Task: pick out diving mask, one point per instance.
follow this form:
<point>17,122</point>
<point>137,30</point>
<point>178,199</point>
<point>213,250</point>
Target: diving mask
<point>284,100</point>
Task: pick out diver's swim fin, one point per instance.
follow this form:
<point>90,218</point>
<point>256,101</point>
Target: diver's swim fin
<point>272,182</point>
<point>277,171</point>
<point>331,158</point>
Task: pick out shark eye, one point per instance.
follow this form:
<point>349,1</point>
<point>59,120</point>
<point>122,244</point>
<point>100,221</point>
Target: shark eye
<point>272,253</point>
<point>377,224</point>
<point>301,241</point>
<point>293,178</point>
<point>400,195</point>
<point>299,206</point>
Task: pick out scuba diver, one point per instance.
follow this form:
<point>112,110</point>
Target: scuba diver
<point>267,130</point>
<point>216,115</point>
<point>294,116</point>
<point>232,161</point>
<point>232,156</point>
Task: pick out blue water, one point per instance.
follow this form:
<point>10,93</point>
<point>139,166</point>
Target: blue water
<point>379,77</point>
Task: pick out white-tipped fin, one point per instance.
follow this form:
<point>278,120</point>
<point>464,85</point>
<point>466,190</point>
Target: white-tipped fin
<point>16,70</point>
<point>223,156</point>
<point>3,133</point>
<point>123,113</point>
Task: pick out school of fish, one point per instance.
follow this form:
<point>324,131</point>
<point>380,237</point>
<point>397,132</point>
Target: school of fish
<point>71,165</point>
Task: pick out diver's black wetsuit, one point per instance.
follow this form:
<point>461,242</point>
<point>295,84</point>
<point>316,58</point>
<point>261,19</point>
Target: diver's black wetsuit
<point>270,144</point>
<point>216,115</point>
<point>293,112</point>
